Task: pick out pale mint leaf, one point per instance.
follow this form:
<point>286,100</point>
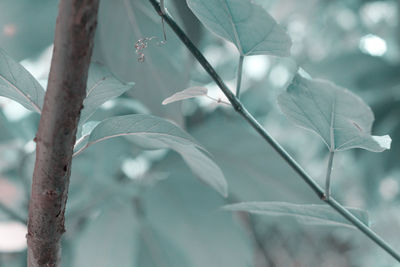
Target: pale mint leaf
<point>244,23</point>
<point>185,213</point>
<point>156,249</point>
<point>101,87</point>
<point>118,244</point>
<point>121,25</point>
<point>88,127</point>
<point>204,167</point>
<point>342,119</point>
<point>18,84</point>
<point>384,141</point>
<point>305,213</point>
<point>152,132</point>
<point>185,94</point>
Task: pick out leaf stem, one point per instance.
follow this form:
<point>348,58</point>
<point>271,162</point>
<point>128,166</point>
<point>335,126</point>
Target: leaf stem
<point>328,175</point>
<point>239,76</point>
<point>238,106</point>
<point>162,6</point>
<point>218,100</point>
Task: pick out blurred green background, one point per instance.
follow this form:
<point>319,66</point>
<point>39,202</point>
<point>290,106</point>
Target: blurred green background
<point>129,207</point>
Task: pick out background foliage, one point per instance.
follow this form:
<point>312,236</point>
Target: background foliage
<point>134,207</point>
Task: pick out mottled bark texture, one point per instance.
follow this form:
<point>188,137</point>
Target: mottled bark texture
<point>73,42</point>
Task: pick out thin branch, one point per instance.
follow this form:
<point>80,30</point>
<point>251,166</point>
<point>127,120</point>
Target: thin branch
<point>12,214</point>
<point>238,106</point>
<point>162,5</point>
<point>66,90</point>
<point>239,76</point>
<point>328,175</point>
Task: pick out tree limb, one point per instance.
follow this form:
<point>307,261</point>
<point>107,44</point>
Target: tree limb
<point>73,42</point>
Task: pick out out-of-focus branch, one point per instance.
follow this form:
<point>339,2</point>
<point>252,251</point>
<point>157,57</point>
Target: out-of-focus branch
<point>12,214</point>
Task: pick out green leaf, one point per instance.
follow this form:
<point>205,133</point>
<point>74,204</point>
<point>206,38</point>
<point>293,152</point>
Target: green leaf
<point>305,213</point>
<point>338,116</point>
<point>248,158</point>
<point>172,221</point>
<point>116,245</point>
<point>244,23</point>
<point>18,84</point>
<point>184,211</point>
<point>185,94</point>
<point>156,250</point>
<point>101,86</point>
<point>157,77</point>
<point>156,133</point>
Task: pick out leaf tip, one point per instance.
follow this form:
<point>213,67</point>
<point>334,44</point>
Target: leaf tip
<point>186,94</point>
<point>384,141</point>
<point>229,207</point>
<point>223,188</point>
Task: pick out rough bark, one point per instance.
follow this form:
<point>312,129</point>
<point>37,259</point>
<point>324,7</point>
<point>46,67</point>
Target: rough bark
<point>73,42</point>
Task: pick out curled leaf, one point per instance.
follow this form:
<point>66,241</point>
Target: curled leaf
<point>185,94</point>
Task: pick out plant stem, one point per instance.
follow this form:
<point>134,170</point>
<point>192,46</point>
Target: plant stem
<point>66,90</point>
<point>239,76</point>
<point>238,106</point>
<point>12,214</point>
<point>162,6</point>
<point>328,175</point>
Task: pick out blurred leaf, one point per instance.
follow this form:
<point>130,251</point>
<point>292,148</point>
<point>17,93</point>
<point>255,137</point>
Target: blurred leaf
<point>105,176</point>
<point>306,213</point>
<point>339,117</point>
<point>186,212</point>
<point>156,250</point>
<point>101,86</point>
<point>185,94</point>
<point>155,133</point>
<point>204,167</point>
<point>24,129</point>
<point>253,169</point>
<point>121,24</point>
<point>27,27</point>
<point>111,238</point>
<point>18,84</point>
<point>88,127</point>
<point>176,225</point>
<point>244,23</point>
<point>358,71</point>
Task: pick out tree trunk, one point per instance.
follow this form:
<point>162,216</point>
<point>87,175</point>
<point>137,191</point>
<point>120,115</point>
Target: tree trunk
<point>55,138</point>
